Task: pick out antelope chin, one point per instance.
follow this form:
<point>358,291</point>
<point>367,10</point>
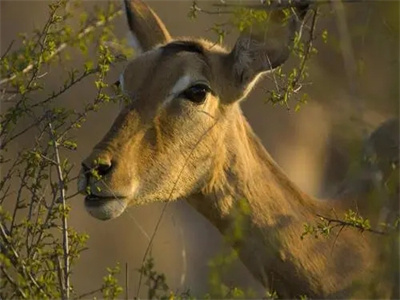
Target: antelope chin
<point>105,208</point>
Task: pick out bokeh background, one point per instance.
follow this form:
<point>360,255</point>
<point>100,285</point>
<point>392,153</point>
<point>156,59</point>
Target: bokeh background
<point>353,87</point>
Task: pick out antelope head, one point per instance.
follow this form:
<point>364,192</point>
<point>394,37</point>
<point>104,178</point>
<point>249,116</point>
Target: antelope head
<point>169,139</point>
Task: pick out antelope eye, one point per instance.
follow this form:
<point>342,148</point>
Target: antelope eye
<point>196,93</point>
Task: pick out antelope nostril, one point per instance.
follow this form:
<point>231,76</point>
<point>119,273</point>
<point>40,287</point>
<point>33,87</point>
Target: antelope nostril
<point>103,168</point>
<point>85,168</point>
<point>96,166</point>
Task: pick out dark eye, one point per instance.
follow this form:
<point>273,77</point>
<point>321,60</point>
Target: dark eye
<point>196,93</point>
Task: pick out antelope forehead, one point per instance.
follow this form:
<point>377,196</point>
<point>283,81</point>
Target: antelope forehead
<point>138,68</point>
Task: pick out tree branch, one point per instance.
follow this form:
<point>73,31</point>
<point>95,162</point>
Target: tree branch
<point>66,284</point>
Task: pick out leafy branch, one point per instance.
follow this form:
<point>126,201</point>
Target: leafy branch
<point>351,219</point>
<point>287,83</point>
<point>38,248</point>
<point>63,45</point>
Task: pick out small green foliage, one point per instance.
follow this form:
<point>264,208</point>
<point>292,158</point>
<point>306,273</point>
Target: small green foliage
<point>324,36</point>
<point>218,266</point>
<point>325,226</point>
<point>193,11</point>
<point>271,295</point>
<point>220,31</point>
<point>244,18</point>
<point>95,174</point>
<point>156,282</point>
<point>355,220</point>
<point>288,83</point>
<point>111,289</point>
<point>303,100</point>
<point>71,145</point>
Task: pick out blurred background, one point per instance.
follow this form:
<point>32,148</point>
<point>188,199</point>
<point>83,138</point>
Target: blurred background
<point>352,89</point>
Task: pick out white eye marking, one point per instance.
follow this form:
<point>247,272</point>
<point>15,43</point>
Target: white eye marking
<point>182,84</point>
<point>121,87</point>
<point>134,43</point>
<point>121,81</point>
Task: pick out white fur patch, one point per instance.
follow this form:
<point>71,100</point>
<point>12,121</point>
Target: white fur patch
<point>121,81</point>
<point>132,39</point>
<point>134,43</point>
<point>182,84</point>
<point>122,88</point>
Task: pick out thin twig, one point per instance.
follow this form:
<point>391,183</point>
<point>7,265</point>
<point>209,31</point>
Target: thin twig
<point>73,195</point>
<point>60,277</point>
<point>195,8</point>
<point>126,281</point>
<point>18,200</point>
<point>31,126</point>
<point>5,91</point>
<point>64,217</point>
<point>66,87</point>
<point>7,50</point>
<point>279,4</point>
<point>86,295</point>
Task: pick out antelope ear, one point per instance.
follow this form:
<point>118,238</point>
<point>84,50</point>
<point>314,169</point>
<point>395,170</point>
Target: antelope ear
<point>262,47</point>
<point>147,28</point>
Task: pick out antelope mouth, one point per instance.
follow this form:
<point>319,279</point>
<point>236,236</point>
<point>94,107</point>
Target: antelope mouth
<point>94,199</point>
<point>105,207</point>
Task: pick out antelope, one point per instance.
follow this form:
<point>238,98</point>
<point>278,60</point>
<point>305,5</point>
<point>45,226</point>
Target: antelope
<point>182,135</point>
